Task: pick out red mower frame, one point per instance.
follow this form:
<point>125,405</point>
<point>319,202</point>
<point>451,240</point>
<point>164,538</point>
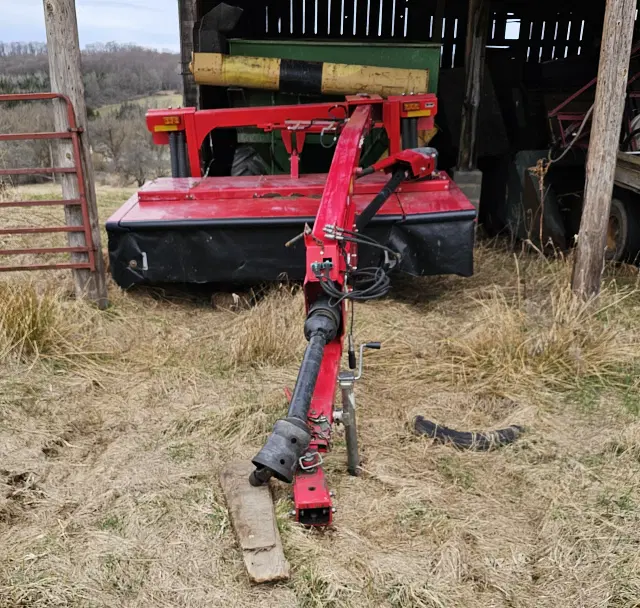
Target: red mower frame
<point>349,121</point>
<point>293,122</point>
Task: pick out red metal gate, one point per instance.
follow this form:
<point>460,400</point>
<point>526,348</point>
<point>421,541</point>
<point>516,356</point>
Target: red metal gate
<point>72,133</point>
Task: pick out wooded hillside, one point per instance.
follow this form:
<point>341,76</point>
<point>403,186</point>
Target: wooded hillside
<point>113,73</point>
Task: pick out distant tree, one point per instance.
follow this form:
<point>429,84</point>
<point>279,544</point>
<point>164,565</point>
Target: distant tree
<point>126,146</point>
<point>92,91</point>
<point>28,153</point>
<point>108,135</point>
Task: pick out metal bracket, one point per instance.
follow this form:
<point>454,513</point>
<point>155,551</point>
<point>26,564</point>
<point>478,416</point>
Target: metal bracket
<point>318,267</point>
<point>306,232</point>
<point>317,461</point>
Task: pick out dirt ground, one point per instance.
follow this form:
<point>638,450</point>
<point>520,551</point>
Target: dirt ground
<point>114,426</point>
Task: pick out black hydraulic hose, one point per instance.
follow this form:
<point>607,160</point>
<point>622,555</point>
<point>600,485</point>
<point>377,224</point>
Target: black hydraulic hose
<point>413,133</point>
<point>173,154</point>
<point>464,440</point>
<point>307,377</point>
<point>182,155</point>
<point>366,171</point>
<point>409,133</point>
<point>404,133</point>
<point>381,198</point>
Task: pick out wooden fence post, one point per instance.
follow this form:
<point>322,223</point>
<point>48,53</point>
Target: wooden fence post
<point>188,17</point>
<point>611,89</point>
<point>63,49</point>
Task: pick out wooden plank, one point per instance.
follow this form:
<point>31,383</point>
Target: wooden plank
<point>499,29</point>
<point>359,9</point>
<point>251,508</point>
<point>323,16</point>
<point>605,137</point>
<point>574,36</point>
<point>279,22</point>
<point>449,40</point>
<point>374,18</point>
<point>522,44</point>
<point>437,20</point>
<point>460,43</point>
<point>335,17</point>
<point>296,17</point>
<point>535,41</point>
<point>548,41</point>
<point>269,566</point>
<point>346,18</point>
<point>254,522</point>
<point>419,18</point>
<point>562,36</point>
<point>387,13</point>
<point>397,29</point>
<point>308,16</point>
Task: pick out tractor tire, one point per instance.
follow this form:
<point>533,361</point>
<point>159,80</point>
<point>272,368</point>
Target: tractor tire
<point>247,161</point>
<point>623,231</point>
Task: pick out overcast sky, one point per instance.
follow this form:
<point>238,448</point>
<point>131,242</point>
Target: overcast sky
<point>146,22</point>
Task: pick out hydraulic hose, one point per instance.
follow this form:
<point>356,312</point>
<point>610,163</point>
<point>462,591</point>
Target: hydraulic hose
<point>173,153</point>
<point>182,155</point>
<point>465,440</point>
<point>380,199</point>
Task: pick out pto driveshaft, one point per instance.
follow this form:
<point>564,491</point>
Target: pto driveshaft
<point>290,437</point>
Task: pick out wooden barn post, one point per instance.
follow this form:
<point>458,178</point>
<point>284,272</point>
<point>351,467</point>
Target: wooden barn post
<point>611,89</point>
<point>466,174</point>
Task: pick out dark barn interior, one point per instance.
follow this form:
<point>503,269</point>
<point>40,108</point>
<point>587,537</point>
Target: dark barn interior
<point>537,55</point>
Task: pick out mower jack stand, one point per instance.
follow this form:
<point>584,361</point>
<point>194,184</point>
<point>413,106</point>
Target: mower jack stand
<point>347,416</point>
<point>311,495</point>
<point>347,380</point>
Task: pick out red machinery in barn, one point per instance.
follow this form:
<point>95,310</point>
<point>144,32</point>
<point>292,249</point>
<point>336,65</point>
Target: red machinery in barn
<point>353,226</point>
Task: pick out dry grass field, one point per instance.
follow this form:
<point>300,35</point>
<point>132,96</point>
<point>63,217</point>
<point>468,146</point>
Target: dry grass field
<point>163,99</point>
<point>114,426</point>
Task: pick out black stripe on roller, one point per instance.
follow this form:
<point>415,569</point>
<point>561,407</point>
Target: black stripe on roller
<point>300,76</point>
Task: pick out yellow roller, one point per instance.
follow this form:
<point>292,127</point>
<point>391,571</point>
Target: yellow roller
<point>235,71</point>
<point>292,76</point>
